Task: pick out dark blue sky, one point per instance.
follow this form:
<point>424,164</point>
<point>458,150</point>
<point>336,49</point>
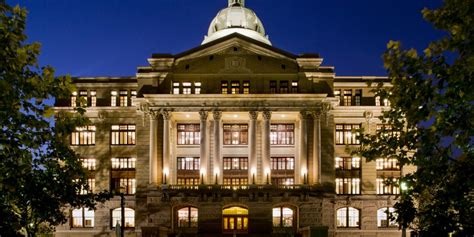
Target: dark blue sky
<point>113,37</point>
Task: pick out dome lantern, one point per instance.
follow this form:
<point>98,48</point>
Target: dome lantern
<point>240,3</point>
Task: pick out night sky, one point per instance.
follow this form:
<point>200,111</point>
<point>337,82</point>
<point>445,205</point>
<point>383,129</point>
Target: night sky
<point>113,37</point>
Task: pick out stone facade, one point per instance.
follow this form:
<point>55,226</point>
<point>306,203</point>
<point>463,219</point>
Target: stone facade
<point>233,81</point>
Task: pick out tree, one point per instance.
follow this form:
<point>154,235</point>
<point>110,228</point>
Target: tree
<point>432,114</point>
<point>39,173</point>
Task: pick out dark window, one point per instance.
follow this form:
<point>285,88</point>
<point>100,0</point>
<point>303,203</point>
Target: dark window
<point>83,136</point>
<point>346,134</point>
<point>283,87</point>
<point>273,87</point>
<point>358,97</point>
<point>189,134</point>
<point>235,134</point>
<point>282,134</point>
<point>123,134</point>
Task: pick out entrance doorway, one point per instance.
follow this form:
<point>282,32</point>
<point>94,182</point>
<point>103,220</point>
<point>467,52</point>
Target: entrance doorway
<point>235,220</point>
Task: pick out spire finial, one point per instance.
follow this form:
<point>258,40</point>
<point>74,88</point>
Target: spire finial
<point>240,3</point>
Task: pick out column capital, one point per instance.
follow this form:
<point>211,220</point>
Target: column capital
<point>154,115</point>
<point>166,114</point>
<point>203,114</point>
<point>304,114</point>
<point>267,114</point>
<point>253,115</point>
<point>217,115</point>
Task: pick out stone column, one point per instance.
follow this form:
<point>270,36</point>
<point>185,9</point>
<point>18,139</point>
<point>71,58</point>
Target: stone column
<point>252,176</point>
<point>266,152</point>
<point>316,169</point>
<point>302,163</point>
<point>155,171</point>
<point>166,147</point>
<point>217,159</point>
<point>204,158</point>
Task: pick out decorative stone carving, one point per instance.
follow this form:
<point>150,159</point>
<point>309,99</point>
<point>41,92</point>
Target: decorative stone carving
<point>253,115</point>
<point>203,114</point>
<point>166,114</point>
<point>154,115</point>
<point>303,114</point>
<point>217,115</point>
<point>267,115</point>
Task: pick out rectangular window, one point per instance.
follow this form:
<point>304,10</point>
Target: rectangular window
<point>88,163</point>
<point>273,87</point>
<point>93,98</point>
<point>83,98</point>
<point>283,163</point>
<point>283,181</point>
<point>82,218</point>
<point>347,163</point>
<point>348,185</point>
<point>283,87</point>
<point>347,98</point>
<point>189,134</point>
<point>188,163</point>
<point>123,98</point>
<point>123,134</point>
<point>235,134</point>
<point>176,88</point>
<point>337,95</point>
<point>387,186</point>
<point>294,87</point>
<point>282,134</point>
<point>387,164</point>
<point>74,99</point>
<point>235,87</point>
<point>358,97</point>
<point>197,88</point>
<point>123,163</point>
<point>83,136</point>
<point>235,181</point>
<point>377,101</point>
<point>387,130</point>
<point>224,87</point>
<point>133,97</point>
<point>246,87</point>
<point>187,88</point>
<point>90,187</point>
<point>125,185</point>
<point>190,182</point>
<point>236,163</point>
<point>113,98</point>
<point>345,134</point>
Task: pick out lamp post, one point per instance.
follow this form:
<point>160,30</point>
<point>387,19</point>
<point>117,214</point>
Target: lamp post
<point>121,231</point>
<point>403,189</point>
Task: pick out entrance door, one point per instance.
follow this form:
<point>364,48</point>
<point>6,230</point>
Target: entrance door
<point>235,220</point>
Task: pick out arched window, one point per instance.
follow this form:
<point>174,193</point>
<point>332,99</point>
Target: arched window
<point>188,217</point>
<point>82,218</point>
<point>129,217</point>
<point>235,219</point>
<point>283,217</point>
<point>348,217</point>
<point>384,216</point>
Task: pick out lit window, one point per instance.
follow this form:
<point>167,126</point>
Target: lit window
<point>189,134</point>
<point>345,134</point>
<point>113,98</point>
<point>176,88</point>
<point>282,134</point>
<point>93,98</point>
<point>83,136</point>
<point>358,97</point>
<point>89,188</point>
<point>386,217</point>
<point>283,163</point>
<point>197,88</point>
<point>224,87</point>
<point>386,102</point>
<point>88,163</point>
<point>387,164</point>
<point>74,99</point>
<point>82,218</point>
<point>123,163</point>
<point>387,185</point>
<point>294,87</point>
<point>133,97</point>
<point>123,98</point>
<point>337,95</point>
<point>235,87</point>
<point>188,217</point>
<point>282,170</point>
<point>83,98</point>
<point>348,217</point>
<point>235,220</point>
<point>125,185</point>
<point>347,98</point>
<point>348,185</point>
<point>123,134</point>
<point>188,163</point>
<point>283,217</point>
<point>377,101</point>
<point>283,87</point>
<point>347,163</point>
<point>129,217</point>
<point>186,88</point>
<point>388,130</point>
<point>246,87</point>
<point>235,134</point>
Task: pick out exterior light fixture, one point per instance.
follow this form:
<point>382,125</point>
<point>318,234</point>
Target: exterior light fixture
<point>216,173</point>
<point>165,174</point>
<point>253,171</point>
<point>267,174</point>
<point>305,174</point>
<point>203,171</point>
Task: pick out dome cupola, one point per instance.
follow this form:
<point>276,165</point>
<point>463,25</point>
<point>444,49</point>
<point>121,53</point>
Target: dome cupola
<point>236,18</point>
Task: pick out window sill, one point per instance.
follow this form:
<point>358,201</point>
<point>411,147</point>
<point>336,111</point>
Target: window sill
<point>235,146</point>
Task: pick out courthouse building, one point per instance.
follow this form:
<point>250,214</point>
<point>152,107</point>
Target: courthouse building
<point>234,137</point>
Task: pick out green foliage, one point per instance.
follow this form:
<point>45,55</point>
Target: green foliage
<point>39,173</point>
<point>432,105</point>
